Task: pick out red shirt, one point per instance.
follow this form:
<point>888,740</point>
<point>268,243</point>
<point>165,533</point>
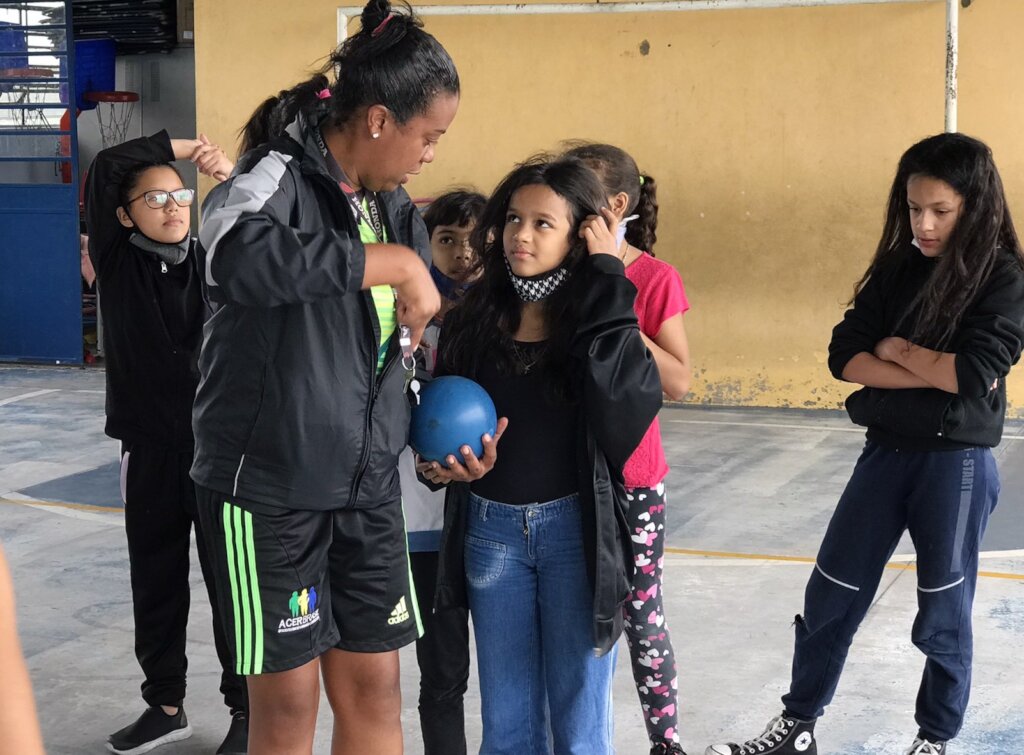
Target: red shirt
<point>660,295</point>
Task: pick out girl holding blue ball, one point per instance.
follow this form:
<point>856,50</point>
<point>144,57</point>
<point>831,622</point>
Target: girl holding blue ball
<point>535,540</point>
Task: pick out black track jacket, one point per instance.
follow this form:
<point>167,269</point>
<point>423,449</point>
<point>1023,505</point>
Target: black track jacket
<point>290,412</point>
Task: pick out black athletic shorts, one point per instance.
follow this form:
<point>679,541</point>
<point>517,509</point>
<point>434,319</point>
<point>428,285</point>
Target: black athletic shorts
<point>294,584</point>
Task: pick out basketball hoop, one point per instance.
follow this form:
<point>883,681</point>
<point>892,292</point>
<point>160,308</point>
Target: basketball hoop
<point>114,114</point>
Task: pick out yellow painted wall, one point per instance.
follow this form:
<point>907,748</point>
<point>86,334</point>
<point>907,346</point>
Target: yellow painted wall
<point>773,135</point>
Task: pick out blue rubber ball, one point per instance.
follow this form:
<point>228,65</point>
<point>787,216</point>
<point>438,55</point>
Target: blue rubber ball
<point>453,412</point>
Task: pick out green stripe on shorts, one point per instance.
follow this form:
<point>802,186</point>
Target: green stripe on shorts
<point>412,584</point>
<point>246,605</point>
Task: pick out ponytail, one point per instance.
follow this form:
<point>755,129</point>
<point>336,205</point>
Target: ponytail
<point>641,233</point>
<point>272,117</point>
<point>390,61</point>
<point>619,175</point>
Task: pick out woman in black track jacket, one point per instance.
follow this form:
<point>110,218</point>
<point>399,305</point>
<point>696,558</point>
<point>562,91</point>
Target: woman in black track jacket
<point>302,411</point>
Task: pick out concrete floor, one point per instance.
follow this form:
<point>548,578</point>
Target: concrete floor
<point>744,482</point>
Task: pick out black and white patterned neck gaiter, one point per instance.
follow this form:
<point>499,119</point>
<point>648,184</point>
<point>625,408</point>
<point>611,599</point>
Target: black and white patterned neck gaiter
<point>537,287</point>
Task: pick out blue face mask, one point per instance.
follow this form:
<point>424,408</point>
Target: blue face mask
<point>620,232</point>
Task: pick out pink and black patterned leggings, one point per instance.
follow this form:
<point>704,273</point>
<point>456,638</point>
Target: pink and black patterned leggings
<point>654,664</point>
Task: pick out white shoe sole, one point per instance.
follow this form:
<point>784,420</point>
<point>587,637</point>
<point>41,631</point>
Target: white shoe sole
<point>174,736</point>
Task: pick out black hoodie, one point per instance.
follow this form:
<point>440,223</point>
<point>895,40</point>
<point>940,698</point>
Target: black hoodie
<point>987,344</point>
<point>152,312</point>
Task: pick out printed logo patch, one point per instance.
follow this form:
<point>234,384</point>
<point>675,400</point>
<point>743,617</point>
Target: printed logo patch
<point>304,611</point>
<point>803,742</point>
<point>399,613</point>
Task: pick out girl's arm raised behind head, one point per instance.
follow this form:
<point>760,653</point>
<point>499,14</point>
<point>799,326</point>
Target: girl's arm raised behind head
<point>103,184</point>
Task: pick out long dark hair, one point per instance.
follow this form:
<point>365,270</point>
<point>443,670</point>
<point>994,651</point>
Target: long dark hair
<point>481,325</point>
<point>983,228</point>
<point>619,174</point>
<point>391,61</point>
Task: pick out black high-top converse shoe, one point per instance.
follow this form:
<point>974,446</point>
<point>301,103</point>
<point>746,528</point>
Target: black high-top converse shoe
<point>782,736</point>
<point>924,746</point>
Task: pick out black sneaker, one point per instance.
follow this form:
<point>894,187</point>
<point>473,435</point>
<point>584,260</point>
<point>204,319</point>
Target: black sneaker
<point>923,746</point>
<point>667,748</point>
<point>782,736</point>
<point>237,740</point>
<point>152,729</point>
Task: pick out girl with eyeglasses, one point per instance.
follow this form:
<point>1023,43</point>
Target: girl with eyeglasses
<point>153,309</point>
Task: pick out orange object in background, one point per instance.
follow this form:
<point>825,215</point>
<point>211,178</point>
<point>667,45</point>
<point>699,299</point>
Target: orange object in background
<point>64,149</point>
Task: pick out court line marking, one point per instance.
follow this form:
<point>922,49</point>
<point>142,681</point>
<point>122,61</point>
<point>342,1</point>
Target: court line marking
<point>33,394</point>
<point>904,562</point>
<point>20,500</point>
<point>789,427</point>
<point>898,562</point>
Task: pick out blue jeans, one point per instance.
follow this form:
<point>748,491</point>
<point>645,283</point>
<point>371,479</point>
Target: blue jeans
<point>532,608</point>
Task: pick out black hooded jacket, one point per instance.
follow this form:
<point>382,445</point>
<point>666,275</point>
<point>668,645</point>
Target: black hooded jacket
<point>152,312</point>
<point>987,344</point>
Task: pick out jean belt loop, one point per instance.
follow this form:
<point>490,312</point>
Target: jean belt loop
<point>483,509</point>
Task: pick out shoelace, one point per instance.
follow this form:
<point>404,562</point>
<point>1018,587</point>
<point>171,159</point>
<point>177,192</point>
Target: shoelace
<point>777,728</point>
<point>924,747</point>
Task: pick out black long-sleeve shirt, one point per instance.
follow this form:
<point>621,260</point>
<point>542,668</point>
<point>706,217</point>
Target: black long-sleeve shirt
<point>541,437</point>
<point>152,314</point>
<point>987,344</point>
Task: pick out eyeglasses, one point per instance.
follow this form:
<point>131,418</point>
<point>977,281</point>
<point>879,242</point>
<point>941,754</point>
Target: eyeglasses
<point>157,199</point>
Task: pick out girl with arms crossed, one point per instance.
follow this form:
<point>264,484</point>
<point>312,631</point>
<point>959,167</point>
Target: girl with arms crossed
<point>936,324</point>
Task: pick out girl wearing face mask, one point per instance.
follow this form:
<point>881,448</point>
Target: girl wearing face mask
<point>153,309</point>
<point>936,324</point>
<point>536,537</point>
<point>660,305</point>
<point>316,253</point>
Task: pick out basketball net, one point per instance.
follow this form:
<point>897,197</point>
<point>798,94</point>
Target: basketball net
<point>114,112</point>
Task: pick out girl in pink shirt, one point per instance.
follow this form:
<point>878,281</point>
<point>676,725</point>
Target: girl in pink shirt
<point>660,304</point>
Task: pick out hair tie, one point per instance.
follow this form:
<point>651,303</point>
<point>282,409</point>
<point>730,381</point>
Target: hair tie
<point>323,94</point>
<point>382,24</point>
<point>641,180</point>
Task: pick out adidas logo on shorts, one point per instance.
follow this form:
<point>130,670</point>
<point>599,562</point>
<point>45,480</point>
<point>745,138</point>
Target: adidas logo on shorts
<point>400,613</point>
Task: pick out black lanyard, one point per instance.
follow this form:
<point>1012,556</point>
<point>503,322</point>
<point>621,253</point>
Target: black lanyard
<point>373,215</point>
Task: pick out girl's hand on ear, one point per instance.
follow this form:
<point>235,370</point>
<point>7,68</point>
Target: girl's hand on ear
<point>211,160</point>
<point>599,233</point>
<point>471,468</point>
